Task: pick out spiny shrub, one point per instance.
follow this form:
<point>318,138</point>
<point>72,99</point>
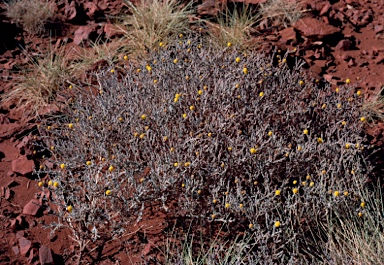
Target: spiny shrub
<point>236,138</point>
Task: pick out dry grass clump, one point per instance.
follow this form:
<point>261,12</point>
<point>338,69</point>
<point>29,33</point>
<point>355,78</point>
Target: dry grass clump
<point>40,82</point>
<point>234,26</point>
<point>281,12</point>
<point>154,21</point>
<point>31,15</point>
<point>237,139</point>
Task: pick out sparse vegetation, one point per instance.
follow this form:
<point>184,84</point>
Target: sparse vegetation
<point>31,15</point>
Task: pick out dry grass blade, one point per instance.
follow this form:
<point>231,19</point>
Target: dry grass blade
<point>375,107</point>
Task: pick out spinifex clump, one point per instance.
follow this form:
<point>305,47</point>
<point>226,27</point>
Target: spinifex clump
<point>233,137</point>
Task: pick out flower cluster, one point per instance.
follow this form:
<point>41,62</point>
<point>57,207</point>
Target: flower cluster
<point>238,138</point>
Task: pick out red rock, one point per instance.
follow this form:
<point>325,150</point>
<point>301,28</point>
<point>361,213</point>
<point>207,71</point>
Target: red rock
<point>25,245</point>
<point>82,34</point>
<point>23,166</point>
<point>32,207</point>
<point>45,255</point>
<point>90,9</point>
<point>15,250</point>
<point>311,27</point>
<point>378,28</point>
<point>287,34</point>
<point>325,8</point>
<point>343,45</point>
<point>209,7</point>
<point>112,30</point>
<point>9,129</point>
<point>147,249</point>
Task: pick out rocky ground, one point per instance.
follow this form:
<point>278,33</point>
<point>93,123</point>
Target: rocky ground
<point>337,39</point>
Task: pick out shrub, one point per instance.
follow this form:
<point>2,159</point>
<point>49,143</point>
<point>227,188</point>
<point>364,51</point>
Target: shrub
<point>31,15</point>
<point>239,139</point>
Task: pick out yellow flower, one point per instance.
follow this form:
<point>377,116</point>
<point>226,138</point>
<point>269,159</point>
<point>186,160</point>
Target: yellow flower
<point>336,193</point>
<point>175,100</point>
<point>347,146</point>
<point>143,117</point>
<point>301,82</point>
<point>308,177</point>
<point>360,214</point>
<point>142,136</point>
<point>209,134</point>
<point>112,71</point>
<point>299,148</point>
<point>277,224</point>
<point>200,92</point>
<point>165,138</point>
<point>227,205</point>
<point>155,81</point>
<point>306,132</point>
<point>303,183</point>
<point>229,148</point>
<point>49,128</point>
<point>346,193</point>
<point>69,208</point>
<point>70,87</point>
<point>295,190</point>
<point>136,134</point>
<point>62,166</point>
<point>146,128</point>
<point>172,149</point>
<point>339,106</point>
<point>253,150</point>
<point>311,184</point>
<point>261,94</point>
<point>180,35</point>
<point>347,81</point>
<point>213,216</point>
<point>238,60</point>
<point>343,123</point>
<point>139,70</point>
<point>215,201</point>
<point>323,172</point>
<point>183,185</point>
<point>40,184</point>
<point>362,204</point>
<point>362,119</point>
<point>199,46</point>
<point>270,133</point>
<point>320,140</point>
<point>89,163</point>
<point>358,93</point>
<point>229,44</point>
<point>255,182</point>
<point>245,70</point>
<point>184,115</point>
<point>241,206</point>
<point>175,61</point>
<point>205,87</point>
<point>161,44</point>
<point>56,184</point>
<point>337,90</point>
<point>70,126</point>
<point>149,68</point>
<point>192,108</point>
<point>277,192</point>
<point>250,226</point>
<point>187,164</point>
<point>176,164</point>
<point>125,57</point>
<point>324,106</point>
<point>108,192</point>
<point>111,168</point>
<point>50,183</point>
<point>294,182</point>
<point>199,192</point>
